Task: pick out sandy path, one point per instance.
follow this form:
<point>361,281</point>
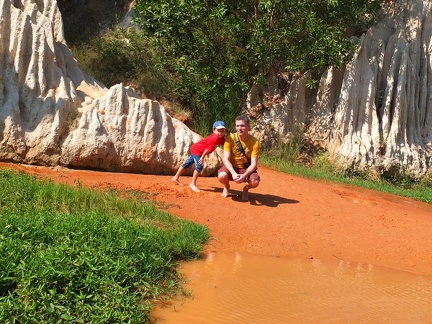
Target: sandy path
<point>288,216</point>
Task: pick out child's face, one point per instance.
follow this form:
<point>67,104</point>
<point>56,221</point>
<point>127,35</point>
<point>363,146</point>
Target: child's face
<point>219,132</point>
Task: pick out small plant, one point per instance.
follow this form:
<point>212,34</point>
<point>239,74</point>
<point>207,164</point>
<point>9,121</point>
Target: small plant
<point>286,151</point>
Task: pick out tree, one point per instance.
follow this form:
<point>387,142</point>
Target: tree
<point>216,49</point>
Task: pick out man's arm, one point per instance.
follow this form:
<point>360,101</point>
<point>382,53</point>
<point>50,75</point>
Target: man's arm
<point>253,166</point>
<point>228,164</point>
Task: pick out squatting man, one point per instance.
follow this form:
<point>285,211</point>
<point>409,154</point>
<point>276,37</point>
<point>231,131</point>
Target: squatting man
<point>240,158</point>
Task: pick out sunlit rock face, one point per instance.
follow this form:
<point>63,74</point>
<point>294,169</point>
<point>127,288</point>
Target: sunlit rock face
<point>384,114</point>
<point>375,114</point>
<point>54,114</point>
<point>120,132</point>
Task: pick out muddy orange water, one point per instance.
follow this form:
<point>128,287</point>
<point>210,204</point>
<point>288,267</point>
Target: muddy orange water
<point>288,217</point>
<point>250,289</point>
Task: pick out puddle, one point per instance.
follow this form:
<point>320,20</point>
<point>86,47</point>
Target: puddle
<point>239,288</point>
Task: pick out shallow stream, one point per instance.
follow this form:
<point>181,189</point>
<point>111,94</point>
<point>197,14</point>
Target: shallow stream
<point>237,288</point>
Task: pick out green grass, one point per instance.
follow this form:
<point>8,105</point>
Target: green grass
<point>322,169</point>
<point>71,254</point>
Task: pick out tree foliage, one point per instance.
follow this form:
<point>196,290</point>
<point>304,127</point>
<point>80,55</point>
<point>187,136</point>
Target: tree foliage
<point>217,48</point>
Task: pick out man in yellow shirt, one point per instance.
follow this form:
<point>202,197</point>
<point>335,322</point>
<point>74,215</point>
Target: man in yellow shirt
<point>240,158</point>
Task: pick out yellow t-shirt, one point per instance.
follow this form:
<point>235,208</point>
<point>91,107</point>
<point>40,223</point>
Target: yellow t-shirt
<point>251,147</point>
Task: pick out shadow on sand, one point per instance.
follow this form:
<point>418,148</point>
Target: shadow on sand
<point>256,199</point>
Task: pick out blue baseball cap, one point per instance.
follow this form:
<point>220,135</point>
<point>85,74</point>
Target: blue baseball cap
<point>219,124</point>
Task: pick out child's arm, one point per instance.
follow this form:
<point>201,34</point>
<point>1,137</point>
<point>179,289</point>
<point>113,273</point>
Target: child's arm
<point>201,160</point>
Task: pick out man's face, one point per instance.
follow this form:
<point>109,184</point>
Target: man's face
<point>241,127</point>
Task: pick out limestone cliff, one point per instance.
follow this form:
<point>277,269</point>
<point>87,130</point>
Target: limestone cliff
<point>375,113</point>
<point>54,114</point>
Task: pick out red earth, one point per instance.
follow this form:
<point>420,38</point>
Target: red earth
<point>286,216</point>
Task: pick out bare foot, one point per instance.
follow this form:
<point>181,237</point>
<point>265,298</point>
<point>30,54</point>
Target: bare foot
<point>225,192</point>
<point>177,181</point>
<point>194,188</point>
<point>245,193</point>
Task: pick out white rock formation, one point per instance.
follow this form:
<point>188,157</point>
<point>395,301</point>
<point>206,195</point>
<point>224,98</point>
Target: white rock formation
<point>375,114</point>
<point>54,114</point>
<point>384,115</point>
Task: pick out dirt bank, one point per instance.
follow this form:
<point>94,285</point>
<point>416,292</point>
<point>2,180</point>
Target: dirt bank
<point>287,216</point>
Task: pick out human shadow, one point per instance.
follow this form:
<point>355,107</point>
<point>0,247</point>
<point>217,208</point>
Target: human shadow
<point>256,199</point>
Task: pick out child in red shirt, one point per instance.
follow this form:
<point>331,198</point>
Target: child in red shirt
<point>199,151</point>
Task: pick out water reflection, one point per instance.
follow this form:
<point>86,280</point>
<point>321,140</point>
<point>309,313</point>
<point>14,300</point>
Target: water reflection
<point>242,288</point>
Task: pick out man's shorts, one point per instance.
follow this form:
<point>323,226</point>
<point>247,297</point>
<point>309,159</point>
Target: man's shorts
<point>253,176</point>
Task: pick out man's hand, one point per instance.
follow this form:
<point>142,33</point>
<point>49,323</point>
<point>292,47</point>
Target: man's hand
<point>235,176</point>
<point>240,178</point>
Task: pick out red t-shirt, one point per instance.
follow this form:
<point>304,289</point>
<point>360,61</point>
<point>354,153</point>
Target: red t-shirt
<point>209,143</point>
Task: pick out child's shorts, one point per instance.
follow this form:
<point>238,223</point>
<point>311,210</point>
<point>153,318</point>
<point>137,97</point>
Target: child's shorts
<point>191,160</point>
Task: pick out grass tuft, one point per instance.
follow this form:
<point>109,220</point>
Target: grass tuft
<point>79,255</point>
<point>320,168</point>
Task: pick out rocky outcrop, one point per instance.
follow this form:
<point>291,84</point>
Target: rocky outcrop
<point>384,115</point>
<point>54,114</point>
<point>120,132</point>
<point>375,114</point>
